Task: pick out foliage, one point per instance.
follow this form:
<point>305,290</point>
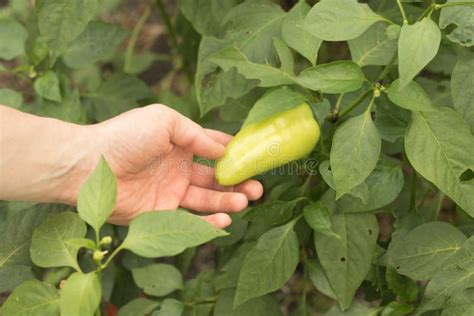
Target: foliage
<point>377,220</point>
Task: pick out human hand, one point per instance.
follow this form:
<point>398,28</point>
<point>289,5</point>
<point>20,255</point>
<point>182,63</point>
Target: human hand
<point>151,152</point>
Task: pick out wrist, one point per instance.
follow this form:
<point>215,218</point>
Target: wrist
<point>84,154</point>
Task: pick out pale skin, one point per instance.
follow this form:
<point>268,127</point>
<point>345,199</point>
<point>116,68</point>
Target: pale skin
<point>150,150</point>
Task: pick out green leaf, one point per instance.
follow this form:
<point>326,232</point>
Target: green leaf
<point>81,243</point>
<point>32,298</point>
<point>236,230</point>
<point>119,93</point>
<point>318,277</point>
<point>438,90</point>
<point>98,41</point>
<point>96,199</point>
<point>443,286</point>
<point>356,309</point>
<point>444,140</point>
<point>228,276</point>
<point>384,184</point>
<point>460,304</point>
<point>142,61</point>
<point>61,21</point>
<point>252,27</point>
<point>318,217</point>
<point>402,286</point>
<point>397,309</point>
<point>186,105</point>
<point>287,63</point>
<point>335,77</point>
<point>170,307</point>
<point>412,97</point>
<point>268,75</point>
<point>260,306</point>
<point>70,109</point>
<point>168,233</point>
<point>425,249</point>
<point>462,82</point>
<point>320,110</point>
<point>47,86</point>
<point>12,275</point>
<point>11,98</point>
<point>273,213</point>
<point>300,40</point>
<point>139,306</point>
<point>16,232</point>
<point>463,18</point>
<point>346,260</point>
<point>48,245</point>
<point>274,101</point>
<point>81,294</point>
<point>215,86</point>
<point>206,15</point>
<point>361,192</point>
<point>355,152</point>
<point>463,257</point>
<point>376,46</point>
<point>391,121</point>
<point>417,46</point>
<point>339,20</point>
<point>158,279</point>
<point>13,36</point>
<point>269,264</point>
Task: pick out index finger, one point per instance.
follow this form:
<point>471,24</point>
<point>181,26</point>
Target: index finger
<point>191,136</point>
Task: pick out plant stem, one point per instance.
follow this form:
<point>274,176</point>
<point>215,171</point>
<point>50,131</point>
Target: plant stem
<point>369,108</point>
<point>402,11</point>
<point>169,26</point>
<point>452,4</point>
<point>206,301</point>
<point>356,102</point>
<point>440,204</point>
<point>305,290</point>
<point>97,239</point>
<point>323,147</point>
<point>338,103</point>
<point>173,38</point>
<point>413,192</point>
<point>427,12</point>
<point>111,257</point>
<point>133,40</point>
<point>387,68</point>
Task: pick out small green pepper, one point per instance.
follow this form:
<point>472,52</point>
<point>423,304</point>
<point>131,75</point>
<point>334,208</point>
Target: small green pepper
<point>258,147</point>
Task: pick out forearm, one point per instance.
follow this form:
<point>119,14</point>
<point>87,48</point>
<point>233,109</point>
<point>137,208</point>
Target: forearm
<point>44,159</point>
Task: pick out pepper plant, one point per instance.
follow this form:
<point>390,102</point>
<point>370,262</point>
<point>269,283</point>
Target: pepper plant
<point>377,220</point>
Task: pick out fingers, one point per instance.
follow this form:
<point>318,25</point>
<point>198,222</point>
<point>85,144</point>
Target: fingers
<point>204,200</point>
<point>190,136</point>
<point>204,176</point>
<point>253,189</point>
<point>219,136</point>
<point>219,220</point>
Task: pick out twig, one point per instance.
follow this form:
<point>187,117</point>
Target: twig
<point>356,102</point>
<point>111,257</point>
<point>402,10</point>
<point>453,4</point>
<point>440,204</point>
<point>174,38</point>
<point>387,68</point>
<point>133,40</point>
<point>413,191</point>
